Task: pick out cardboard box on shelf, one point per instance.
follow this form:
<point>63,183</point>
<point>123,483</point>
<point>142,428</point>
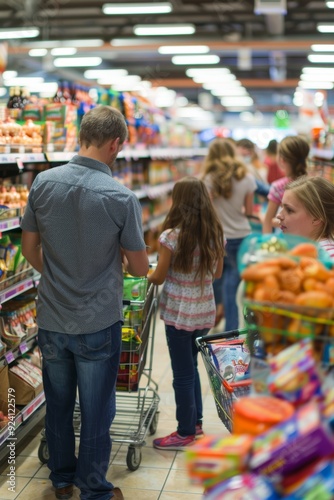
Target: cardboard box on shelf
<point>4,382</point>
<point>24,391</point>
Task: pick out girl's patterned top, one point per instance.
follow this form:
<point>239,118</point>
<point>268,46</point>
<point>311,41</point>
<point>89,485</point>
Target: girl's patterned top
<point>277,190</point>
<point>182,303</point>
<point>328,245</point>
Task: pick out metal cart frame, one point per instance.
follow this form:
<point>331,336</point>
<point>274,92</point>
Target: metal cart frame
<point>224,393</point>
<point>136,404</point>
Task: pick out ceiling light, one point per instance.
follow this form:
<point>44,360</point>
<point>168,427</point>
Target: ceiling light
<point>325,28</point>
<point>3,91</point>
<point>163,29</point>
<point>37,52</point>
<point>186,60</point>
<point>49,44</point>
<point>9,74</point>
<point>63,51</point>
<point>229,91</point>
<point>314,69</point>
<point>316,85</point>
<point>117,9</point>
<point>321,58</point>
<point>94,74</point>
<point>314,77</point>
<point>12,33</point>
<point>212,79</point>
<point>192,72</point>
<point>126,80</point>
<point>45,87</point>
<point>185,49</point>
<point>320,47</point>
<point>330,5</point>
<point>23,82</point>
<point>237,101</point>
<point>68,62</point>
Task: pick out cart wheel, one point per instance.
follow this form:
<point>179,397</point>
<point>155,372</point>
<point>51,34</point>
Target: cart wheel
<point>154,424</point>
<point>43,451</point>
<point>133,458</point>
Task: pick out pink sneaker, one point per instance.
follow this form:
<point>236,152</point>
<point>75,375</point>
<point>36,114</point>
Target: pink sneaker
<point>173,442</point>
<point>199,431</point>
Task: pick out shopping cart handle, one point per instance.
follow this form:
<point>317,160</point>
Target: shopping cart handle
<point>232,334</point>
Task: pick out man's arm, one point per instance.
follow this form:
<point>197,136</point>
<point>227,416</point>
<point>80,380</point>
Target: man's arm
<point>32,249</point>
<point>137,262</point>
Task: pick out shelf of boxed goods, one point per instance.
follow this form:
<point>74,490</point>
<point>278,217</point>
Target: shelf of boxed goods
<point>32,413</point>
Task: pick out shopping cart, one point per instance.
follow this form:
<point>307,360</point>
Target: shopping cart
<point>137,398</point>
<point>224,393</point>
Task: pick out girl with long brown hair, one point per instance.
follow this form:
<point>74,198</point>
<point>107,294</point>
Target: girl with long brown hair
<point>190,257</point>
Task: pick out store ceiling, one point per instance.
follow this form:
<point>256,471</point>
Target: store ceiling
<point>266,52</point>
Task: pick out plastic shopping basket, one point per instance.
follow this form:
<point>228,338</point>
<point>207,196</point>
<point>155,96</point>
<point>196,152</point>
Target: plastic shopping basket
<point>223,392</point>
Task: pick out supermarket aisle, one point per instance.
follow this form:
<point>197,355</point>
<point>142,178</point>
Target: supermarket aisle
<point>161,475</point>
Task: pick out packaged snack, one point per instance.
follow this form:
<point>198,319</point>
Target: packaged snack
<point>231,360</point>
<point>293,444</point>
<point>255,414</point>
<point>243,487</point>
<point>214,458</point>
<point>317,482</point>
<point>134,288</point>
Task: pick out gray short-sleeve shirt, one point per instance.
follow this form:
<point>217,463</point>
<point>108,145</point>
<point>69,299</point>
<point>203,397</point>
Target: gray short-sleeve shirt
<point>83,216</point>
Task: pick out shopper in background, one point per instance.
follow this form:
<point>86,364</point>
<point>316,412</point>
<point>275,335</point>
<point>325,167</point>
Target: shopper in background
<point>270,159</point>
<point>191,255</point>
<point>246,150</point>
<point>231,189</point>
<point>308,210</point>
<point>292,159</point>
<point>76,226</point>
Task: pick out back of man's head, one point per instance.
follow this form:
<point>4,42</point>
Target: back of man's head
<point>102,124</point>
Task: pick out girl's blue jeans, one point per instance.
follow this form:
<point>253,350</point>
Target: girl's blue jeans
<point>186,382</point>
<point>231,280</point>
<point>89,362</point>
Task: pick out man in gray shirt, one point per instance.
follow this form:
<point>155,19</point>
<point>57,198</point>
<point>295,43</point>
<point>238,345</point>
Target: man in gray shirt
<point>78,224</point>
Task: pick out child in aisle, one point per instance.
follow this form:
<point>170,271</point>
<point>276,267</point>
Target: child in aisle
<point>291,157</point>
<point>190,257</point>
<point>308,210</point>
<point>247,152</point>
<point>231,189</point>
<point>270,159</point>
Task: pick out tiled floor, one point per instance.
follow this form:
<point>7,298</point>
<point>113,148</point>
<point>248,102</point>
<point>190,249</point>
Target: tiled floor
<point>161,475</point>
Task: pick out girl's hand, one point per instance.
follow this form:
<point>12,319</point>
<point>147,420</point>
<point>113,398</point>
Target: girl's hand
<point>159,275</point>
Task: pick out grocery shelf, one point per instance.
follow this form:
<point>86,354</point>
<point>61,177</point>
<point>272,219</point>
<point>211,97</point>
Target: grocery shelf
<point>16,352</point>
<point>325,154</point>
<point>7,224</point>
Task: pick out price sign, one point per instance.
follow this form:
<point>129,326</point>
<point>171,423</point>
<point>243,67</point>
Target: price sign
<point>9,357</point>
<point>23,347</point>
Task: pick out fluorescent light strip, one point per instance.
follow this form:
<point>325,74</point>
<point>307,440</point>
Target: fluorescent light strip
<point>117,9</point>
<point>127,80</point>
<point>213,72</point>
<point>185,49</point>
<point>314,77</point>
<point>316,85</point>
<point>325,28</point>
<point>163,29</point>
<point>12,33</point>
<point>3,91</point>
<point>63,51</point>
<point>237,101</point>
<point>38,52</point>
<point>321,58</point>
<point>22,81</point>
<point>317,71</point>
<point>320,47</point>
<point>330,5</point>
<point>212,79</point>
<point>94,74</point>
<point>229,92</point>
<point>9,74</point>
<point>49,44</point>
<point>186,60</point>
<point>68,62</point>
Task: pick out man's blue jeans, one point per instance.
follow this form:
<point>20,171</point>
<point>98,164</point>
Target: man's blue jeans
<point>89,362</point>
<point>231,280</point>
<point>186,382</point>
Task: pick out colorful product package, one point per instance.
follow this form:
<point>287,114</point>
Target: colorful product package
<point>215,458</point>
<point>134,288</point>
<point>292,444</point>
<point>244,487</point>
<point>231,360</point>
<point>318,485</point>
